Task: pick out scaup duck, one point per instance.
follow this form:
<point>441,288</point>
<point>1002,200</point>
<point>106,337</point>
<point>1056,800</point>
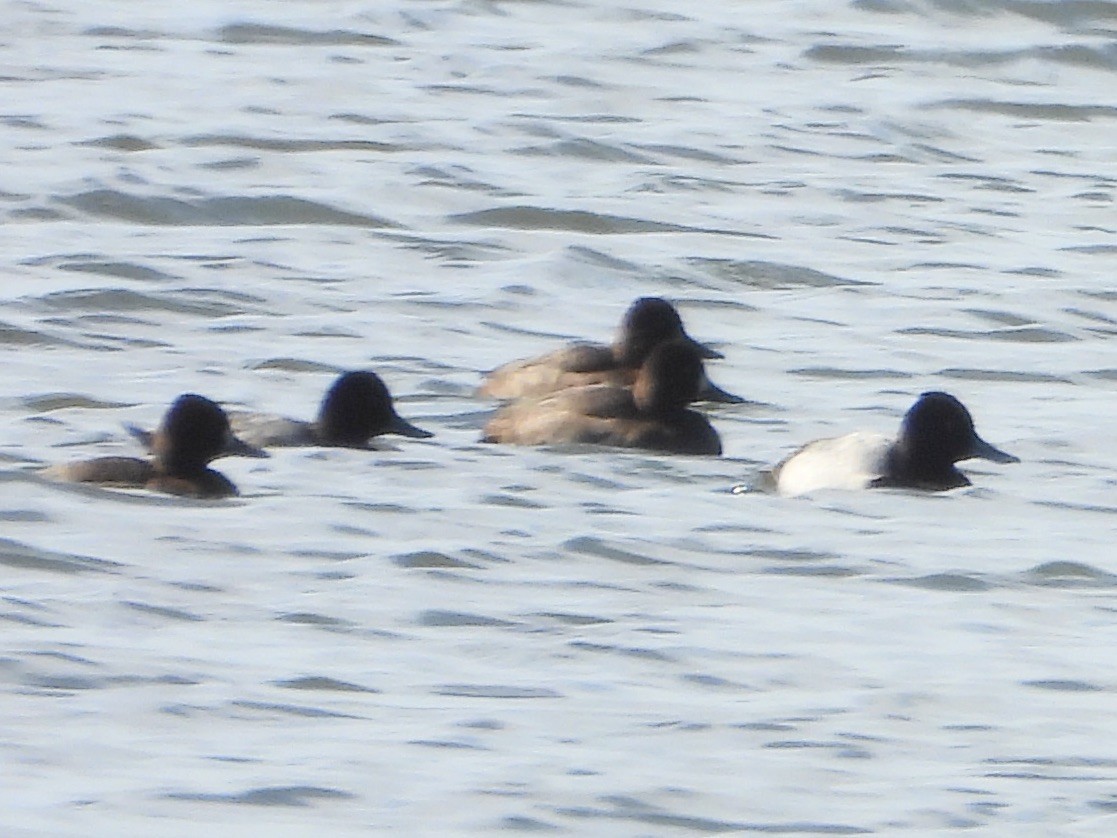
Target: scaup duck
<point>652,414</point>
<point>194,432</point>
<point>356,408</point>
<point>648,322</point>
<point>936,433</point>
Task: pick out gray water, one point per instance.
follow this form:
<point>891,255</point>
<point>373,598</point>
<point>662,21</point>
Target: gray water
<point>854,201</point>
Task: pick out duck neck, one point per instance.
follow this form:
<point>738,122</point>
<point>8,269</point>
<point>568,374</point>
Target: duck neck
<point>913,466</point>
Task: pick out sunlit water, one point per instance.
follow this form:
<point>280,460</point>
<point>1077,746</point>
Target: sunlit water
<point>854,201</point>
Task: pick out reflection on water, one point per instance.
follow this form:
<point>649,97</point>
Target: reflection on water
<point>854,202</point>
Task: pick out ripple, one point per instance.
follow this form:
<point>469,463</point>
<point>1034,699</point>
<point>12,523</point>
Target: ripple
<point>272,144</point>
<point>952,582</point>
<point>1066,574</point>
<point>118,270</point>
<point>322,683</point>
<point>850,375</point>
<point>630,809</point>
<point>270,210</point>
<point>592,546</point>
<point>306,618</point>
<point>163,611</point>
<point>197,302</point>
<point>1068,685</point>
<point>451,619</point>
<point>625,651</point>
<point>582,149</point>
<point>1055,112</point>
<point>266,796</point>
<point>291,710</point>
<point>120,142</point>
<point>16,336</point>
<point>294,365</point>
<point>973,374</point>
<point>770,276</point>
<point>260,33</point>
<point>25,516</point>
<point>1032,334</point>
<point>513,501</point>
<point>47,402</point>
<point>23,556</point>
<point>573,221</point>
<point>432,559</point>
<point>495,691</point>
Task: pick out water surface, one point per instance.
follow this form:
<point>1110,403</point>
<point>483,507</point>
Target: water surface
<point>855,202</point>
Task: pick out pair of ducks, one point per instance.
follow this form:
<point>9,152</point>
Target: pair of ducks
<point>196,431</point>
<point>635,394</point>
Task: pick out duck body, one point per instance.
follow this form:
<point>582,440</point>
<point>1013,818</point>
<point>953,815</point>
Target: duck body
<point>356,408</point>
<point>194,432</point>
<point>935,434</point>
<point>648,322</point>
<point>652,414</point>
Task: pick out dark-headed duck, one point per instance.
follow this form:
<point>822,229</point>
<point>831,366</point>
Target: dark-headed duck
<point>936,433</point>
<point>194,432</point>
<point>648,322</point>
<point>652,414</point>
<point>356,408</point>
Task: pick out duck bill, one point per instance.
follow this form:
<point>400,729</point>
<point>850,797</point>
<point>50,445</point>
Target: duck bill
<point>705,351</point>
<point>985,451</point>
<point>237,447</point>
<point>710,392</point>
<point>401,426</point>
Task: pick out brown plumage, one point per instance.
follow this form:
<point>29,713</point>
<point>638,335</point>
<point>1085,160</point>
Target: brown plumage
<point>652,414</point>
<point>194,432</point>
<point>647,323</point>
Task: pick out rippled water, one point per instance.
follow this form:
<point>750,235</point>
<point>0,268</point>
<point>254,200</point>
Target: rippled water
<point>855,202</point>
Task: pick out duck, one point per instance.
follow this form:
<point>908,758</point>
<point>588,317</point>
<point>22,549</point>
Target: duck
<point>936,432</point>
<point>356,407</point>
<point>194,432</point>
<point>652,414</point>
<point>648,322</point>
